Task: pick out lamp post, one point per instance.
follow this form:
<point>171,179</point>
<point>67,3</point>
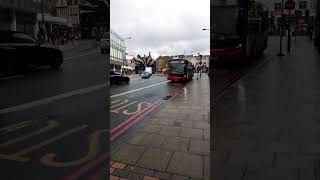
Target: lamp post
<point>125,47</point>
<point>281,28</point>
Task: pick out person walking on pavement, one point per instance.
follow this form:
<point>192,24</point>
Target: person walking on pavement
<point>198,71</point>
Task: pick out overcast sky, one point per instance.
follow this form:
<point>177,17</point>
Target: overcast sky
<point>163,27</point>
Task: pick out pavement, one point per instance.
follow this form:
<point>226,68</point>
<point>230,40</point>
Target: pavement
<point>79,46</point>
<point>52,121</point>
<point>266,125</point>
<point>172,142</point>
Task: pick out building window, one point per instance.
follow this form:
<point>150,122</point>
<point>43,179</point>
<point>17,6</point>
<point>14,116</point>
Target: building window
<point>303,5</point>
<point>277,6</point>
<point>69,2</point>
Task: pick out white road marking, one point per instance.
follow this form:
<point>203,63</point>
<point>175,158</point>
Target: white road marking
<point>81,55</point>
<point>135,90</point>
<point>51,99</point>
<point>12,77</point>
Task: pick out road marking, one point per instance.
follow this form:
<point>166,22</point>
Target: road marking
<point>139,89</point>
<point>51,124</point>
<point>51,99</point>
<point>12,77</point>
<point>113,130</point>
<point>15,126</point>
<point>80,55</point>
<point>132,123</point>
<point>18,156</point>
<point>48,159</point>
<point>89,166</point>
<point>139,108</point>
<point>117,110</point>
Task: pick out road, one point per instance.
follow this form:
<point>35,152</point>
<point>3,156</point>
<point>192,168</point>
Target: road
<point>132,102</point>
<point>53,123</point>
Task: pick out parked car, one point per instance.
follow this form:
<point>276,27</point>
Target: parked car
<point>117,78</point>
<point>104,43</point>
<point>145,75</point>
<point>19,50</point>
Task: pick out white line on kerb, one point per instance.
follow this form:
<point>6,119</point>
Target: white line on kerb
<point>51,99</point>
<point>116,95</point>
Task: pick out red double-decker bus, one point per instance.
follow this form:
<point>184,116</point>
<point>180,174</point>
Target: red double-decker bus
<point>241,35</point>
<point>180,70</point>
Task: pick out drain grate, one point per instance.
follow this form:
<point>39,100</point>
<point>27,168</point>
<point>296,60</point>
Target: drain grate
<point>167,98</point>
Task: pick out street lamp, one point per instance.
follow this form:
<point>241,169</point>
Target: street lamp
<point>281,28</point>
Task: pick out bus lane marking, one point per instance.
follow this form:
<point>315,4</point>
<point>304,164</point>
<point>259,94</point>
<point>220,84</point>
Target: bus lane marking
<point>122,107</point>
<point>51,124</point>
<point>115,101</point>
<point>48,159</point>
<point>15,127</point>
<point>139,108</point>
<point>139,89</point>
<point>18,155</point>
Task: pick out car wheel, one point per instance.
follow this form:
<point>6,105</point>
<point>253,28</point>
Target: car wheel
<point>56,62</point>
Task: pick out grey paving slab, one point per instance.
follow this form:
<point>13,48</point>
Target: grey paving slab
<point>311,149</point>
<point>188,124</point>
<point>179,177</point>
<point>135,176</point>
<point>192,133</point>
<point>235,145</point>
<point>176,144</point>
<point>251,159</point>
<point>121,173</point>
<point>146,172</point>
<point>165,122</point>
<point>186,164</point>
<point>294,160</point>
<point>201,125</point>
<point>128,154</point>
<point>200,147</point>
<point>278,147</point>
<point>272,173</point>
<point>206,135</point>
<point>170,131</point>
<point>206,166</point>
<point>150,128</point>
<point>162,175</point>
<point>155,159</point>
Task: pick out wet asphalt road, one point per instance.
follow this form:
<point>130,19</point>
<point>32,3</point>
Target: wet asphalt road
<point>129,101</point>
<point>53,123</point>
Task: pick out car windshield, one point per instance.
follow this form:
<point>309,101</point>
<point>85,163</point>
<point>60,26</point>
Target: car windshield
<point>177,66</point>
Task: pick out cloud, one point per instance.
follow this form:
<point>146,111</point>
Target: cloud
<point>163,27</point>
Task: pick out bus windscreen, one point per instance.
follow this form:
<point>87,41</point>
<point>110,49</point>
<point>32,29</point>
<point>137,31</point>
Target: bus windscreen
<point>177,67</point>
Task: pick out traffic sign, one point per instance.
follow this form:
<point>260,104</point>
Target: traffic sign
<point>290,5</point>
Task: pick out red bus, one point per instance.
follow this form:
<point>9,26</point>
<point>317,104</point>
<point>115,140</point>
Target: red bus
<point>179,70</point>
<point>241,35</point>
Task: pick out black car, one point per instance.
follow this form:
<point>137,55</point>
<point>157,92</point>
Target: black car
<point>19,50</point>
<point>117,78</point>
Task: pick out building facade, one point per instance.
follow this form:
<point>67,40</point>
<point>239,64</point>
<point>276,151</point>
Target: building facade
<point>117,52</point>
<point>88,18</point>
<point>20,15</point>
<point>301,17</point>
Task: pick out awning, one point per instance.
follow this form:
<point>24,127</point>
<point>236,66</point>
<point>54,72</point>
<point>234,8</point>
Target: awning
<point>51,19</point>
